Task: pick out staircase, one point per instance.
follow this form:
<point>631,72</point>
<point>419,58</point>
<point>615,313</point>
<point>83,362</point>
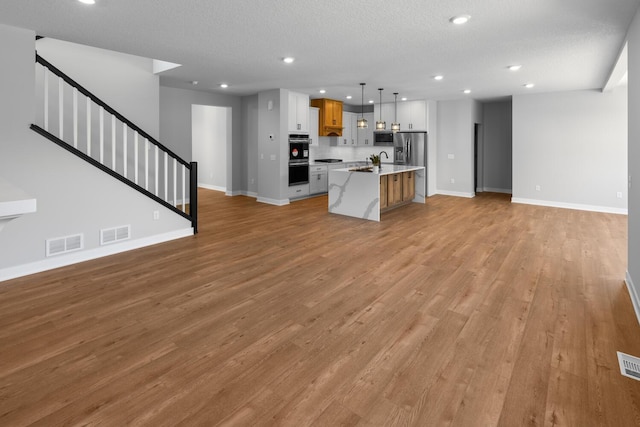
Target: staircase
<point>81,123</point>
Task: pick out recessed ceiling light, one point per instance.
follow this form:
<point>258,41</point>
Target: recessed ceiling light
<point>438,77</point>
<point>371,101</point>
<point>404,98</point>
<point>460,19</point>
<point>194,82</point>
<point>515,67</point>
<point>288,59</point>
<point>349,97</point>
<point>87,1</point>
<point>467,91</point>
<point>224,85</point>
<point>529,85</point>
<point>322,91</point>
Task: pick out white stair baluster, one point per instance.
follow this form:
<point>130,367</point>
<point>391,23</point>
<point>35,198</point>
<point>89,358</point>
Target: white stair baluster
<point>61,108</point>
<point>146,164</point>
<point>124,149</point>
<point>75,117</point>
<point>113,142</point>
<point>46,99</point>
<point>156,169</point>
<point>166,176</point>
<point>101,135</point>
<point>184,192</point>
<point>175,182</point>
<point>88,126</point>
<point>135,156</point>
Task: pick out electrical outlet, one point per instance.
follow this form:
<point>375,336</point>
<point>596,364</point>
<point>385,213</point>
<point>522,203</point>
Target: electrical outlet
<point>156,215</point>
<point>253,180</point>
<point>537,188</point>
<point>451,156</point>
<point>453,180</point>
<point>619,195</point>
<point>273,157</point>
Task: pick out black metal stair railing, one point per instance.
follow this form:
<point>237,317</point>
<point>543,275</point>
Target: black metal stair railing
<point>86,126</point>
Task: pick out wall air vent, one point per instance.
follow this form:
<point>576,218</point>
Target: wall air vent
<point>115,234</point>
<point>63,245</point>
<point>629,366</point>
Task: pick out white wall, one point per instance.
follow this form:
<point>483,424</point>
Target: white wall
<point>272,154</point>
<point>633,268</point>
<point>250,145</point>
<point>455,136</point>
<point>573,145</point>
<point>497,152</point>
<point>211,135</point>
<point>125,82</point>
<point>72,196</point>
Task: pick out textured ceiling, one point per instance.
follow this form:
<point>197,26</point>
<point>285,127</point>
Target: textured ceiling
<point>395,44</point>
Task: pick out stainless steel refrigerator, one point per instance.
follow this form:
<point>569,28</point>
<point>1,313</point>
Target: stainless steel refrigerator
<point>410,148</point>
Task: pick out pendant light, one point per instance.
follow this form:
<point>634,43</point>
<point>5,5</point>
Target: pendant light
<point>380,125</point>
<point>362,122</point>
<point>395,126</point>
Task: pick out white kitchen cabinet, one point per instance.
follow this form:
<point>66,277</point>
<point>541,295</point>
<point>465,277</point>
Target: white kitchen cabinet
<point>387,115</point>
<point>318,179</point>
<point>412,115</point>
<point>349,133</point>
<point>365,136</point>
<point>298,112</point>
<point>314,114</point>
<point>297,191</point>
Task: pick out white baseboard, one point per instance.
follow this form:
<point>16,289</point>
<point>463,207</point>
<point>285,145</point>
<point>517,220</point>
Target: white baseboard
<point>276,202</point>
<point>635,300</point>
<point>242,193</point>
<point>212,187</point>
<point>456,193</point>
<point>576,206</point>
<point>99,252</point>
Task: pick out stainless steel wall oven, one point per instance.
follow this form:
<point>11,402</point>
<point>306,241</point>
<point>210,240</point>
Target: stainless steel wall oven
<point>298,159</point>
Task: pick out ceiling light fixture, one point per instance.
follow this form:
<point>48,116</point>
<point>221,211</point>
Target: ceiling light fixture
<point>460,19</point>
<point>87,1</point>
<point>380,125</point>
<point>395,126</point>
<point>349,97</point>
<point>288,59</point>
<point>224,85</point>
<point>371,101</point>
<point>362,122</point>
<point>529,85</point>
<point>514,67</point>
<point>194,82</point>
<point>467,91</point>
<point>404,98</point>
<point>322,91</point>
<point>438,77</point>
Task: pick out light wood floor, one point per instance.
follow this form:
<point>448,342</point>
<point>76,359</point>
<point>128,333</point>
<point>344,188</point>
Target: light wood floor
<point>463,312</point>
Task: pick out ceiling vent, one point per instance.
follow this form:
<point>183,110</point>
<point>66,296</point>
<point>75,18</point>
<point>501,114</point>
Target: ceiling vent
<point>115,234</point>
<point>63,245</point>
<point>629,366</point>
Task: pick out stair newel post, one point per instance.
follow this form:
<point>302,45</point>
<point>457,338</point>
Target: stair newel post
<point>193,196</point>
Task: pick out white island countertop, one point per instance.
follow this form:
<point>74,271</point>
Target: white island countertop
<point>357,193</point>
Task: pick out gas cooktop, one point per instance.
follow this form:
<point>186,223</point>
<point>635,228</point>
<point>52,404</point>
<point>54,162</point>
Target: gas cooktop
<point>329,160</point>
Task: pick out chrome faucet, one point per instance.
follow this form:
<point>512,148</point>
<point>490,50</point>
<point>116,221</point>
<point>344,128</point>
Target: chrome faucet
<point>380,155</point>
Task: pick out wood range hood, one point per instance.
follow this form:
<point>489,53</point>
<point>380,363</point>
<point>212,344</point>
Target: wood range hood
<point>330,117</point>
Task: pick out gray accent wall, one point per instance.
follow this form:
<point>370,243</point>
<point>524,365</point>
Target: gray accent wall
<point>455,137</point>
<point>633,272</point>
<point>573,145</point>
<point>176,126</point>
<point>497,153</point>
<point>72,196</point>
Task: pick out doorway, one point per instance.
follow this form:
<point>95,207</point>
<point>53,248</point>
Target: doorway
<point>211,144</point>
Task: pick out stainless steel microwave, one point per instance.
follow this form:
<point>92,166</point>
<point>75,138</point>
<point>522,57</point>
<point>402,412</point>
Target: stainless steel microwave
<point>384,138</point>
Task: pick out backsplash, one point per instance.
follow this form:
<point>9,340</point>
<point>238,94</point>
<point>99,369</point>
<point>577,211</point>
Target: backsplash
<point>323,150</point>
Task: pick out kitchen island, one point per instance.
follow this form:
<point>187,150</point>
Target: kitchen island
<point>366,195</point>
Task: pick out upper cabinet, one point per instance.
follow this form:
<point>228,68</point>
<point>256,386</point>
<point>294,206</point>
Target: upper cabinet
<point>314,115</point>
<point>412,115</point>
<point>298,112</point>
<point>365,136</point>
<point>330,116</point>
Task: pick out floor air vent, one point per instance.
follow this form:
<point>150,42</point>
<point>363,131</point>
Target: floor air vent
<point>116,234</point>
<point>629,366</point>
<point>63,245</point>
